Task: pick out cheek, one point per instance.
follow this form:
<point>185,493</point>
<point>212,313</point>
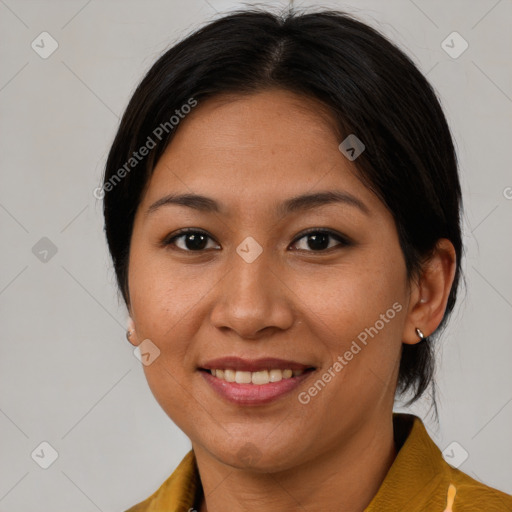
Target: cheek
<point>358,314</point>
<point>165,296</point>
<point>164,301</point>
<point>346,300</point>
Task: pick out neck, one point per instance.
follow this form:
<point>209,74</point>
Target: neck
<point>344,478</point>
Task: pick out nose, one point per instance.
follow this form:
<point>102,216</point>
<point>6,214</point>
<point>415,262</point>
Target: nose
<point>253,299</point>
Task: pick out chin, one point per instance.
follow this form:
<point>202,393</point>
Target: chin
<point>255,455</point>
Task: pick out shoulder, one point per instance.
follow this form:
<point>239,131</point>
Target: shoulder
<point>140,507</point>
<point>179,492</point>
<point>471,495</point>
<point>420,480</point>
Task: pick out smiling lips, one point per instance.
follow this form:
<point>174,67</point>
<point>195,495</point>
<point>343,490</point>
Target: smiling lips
<point>259,378</point>
<point>253,382</point>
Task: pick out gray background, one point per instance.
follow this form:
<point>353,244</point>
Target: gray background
<point>67,374</point>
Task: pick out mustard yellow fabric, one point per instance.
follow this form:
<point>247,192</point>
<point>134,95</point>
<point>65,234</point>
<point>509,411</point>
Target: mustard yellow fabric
<point>418,481</point>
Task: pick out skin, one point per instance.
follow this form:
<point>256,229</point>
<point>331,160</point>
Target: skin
<point>295,302</point>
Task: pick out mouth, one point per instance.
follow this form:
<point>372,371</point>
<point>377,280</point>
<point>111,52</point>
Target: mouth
<point>254,382</point>
<point>259,378</point>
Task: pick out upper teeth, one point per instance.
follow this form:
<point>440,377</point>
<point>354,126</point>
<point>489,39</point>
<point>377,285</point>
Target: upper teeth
<point>260,377</point>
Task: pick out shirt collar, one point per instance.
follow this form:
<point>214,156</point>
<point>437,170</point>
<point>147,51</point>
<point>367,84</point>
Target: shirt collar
<point>416,471</point>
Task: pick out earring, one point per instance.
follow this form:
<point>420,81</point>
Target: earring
<point>420,334</point>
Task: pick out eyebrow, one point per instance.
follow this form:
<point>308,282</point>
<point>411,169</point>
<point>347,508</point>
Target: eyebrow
<point>292,205</point>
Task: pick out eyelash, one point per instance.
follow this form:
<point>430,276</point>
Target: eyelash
<point>344,241</point>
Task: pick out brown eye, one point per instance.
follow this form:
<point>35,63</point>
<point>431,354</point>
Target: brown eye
<point>318,240</point>
<point>189,240</point>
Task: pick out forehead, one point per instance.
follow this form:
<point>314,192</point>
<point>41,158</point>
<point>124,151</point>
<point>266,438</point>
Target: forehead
<point>255,147</point>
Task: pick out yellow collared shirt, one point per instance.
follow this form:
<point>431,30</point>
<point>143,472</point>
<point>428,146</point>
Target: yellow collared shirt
<point>419,480</point>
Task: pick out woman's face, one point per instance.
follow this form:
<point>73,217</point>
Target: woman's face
<point>256,286</point>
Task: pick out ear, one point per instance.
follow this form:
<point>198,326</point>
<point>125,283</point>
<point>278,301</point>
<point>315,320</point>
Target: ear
<point>130,329</point>
<point>430,292</point>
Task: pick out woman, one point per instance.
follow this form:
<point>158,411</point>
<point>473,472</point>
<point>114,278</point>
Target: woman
<point>244,147</point>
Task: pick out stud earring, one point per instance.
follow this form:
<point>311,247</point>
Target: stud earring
<point>420,334</point>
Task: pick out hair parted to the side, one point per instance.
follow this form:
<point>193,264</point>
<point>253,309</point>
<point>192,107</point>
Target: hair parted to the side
<point>368,84</point>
